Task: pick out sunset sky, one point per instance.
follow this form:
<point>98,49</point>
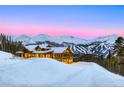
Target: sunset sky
<point>80,21</point>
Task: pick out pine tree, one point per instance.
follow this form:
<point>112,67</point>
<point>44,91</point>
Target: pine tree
<point>7,45</point>
<point>119,46</point>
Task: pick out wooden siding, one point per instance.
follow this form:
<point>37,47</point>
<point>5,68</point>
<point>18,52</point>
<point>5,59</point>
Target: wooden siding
<point>66,56</point>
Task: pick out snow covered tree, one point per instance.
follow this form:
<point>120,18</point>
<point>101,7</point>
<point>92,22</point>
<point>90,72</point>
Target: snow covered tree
<point>119,46</point>
<point>8,45</point>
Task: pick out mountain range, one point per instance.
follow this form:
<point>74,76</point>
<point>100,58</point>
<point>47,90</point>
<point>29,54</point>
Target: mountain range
<point>99,46</point>
<point>61,39</point>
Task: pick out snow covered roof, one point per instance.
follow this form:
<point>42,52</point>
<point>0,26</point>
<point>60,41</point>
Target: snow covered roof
<point>31,47</point>
<point>52,49</point>
<point>59,49</point>
<point>43,45</point>
<point>39,52</point>
<point>19,52</point>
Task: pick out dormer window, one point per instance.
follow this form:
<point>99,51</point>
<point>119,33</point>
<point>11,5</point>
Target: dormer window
<point>38,48</point>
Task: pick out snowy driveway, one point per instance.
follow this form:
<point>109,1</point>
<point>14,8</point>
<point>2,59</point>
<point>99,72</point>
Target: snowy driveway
<point>49,72</point>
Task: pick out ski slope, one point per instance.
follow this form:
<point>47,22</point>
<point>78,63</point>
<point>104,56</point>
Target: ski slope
<point>50,73</point>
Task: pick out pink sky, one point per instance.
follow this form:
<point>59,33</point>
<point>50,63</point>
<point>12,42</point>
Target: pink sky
<point>80,21</point>
<point>32,30</point>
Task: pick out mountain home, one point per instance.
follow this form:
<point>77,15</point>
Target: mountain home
<point>63,54</point>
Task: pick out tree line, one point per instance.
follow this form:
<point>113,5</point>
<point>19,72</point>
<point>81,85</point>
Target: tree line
<point>8,45</point>
<point>115,60</point>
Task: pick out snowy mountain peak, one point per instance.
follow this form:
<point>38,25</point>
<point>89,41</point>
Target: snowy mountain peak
<point>41,37</point>
<point>109,39</point>
<point>64,36</point>
<point>109,36</point>
<point>23,38</point>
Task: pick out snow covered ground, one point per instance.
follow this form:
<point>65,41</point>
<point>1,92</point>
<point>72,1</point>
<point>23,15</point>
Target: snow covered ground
<point>49,72</point>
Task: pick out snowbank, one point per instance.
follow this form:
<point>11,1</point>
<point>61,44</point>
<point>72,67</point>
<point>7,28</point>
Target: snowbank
<point>5,55</point>
<point>35,72</point>
<point>6,58</point>
<point>49,72</point>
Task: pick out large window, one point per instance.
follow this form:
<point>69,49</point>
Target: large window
<point>48,55</point>
<point>67,51</point>
<point>36,55</point>
<point>39,49</point>
<point>26,55</point>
